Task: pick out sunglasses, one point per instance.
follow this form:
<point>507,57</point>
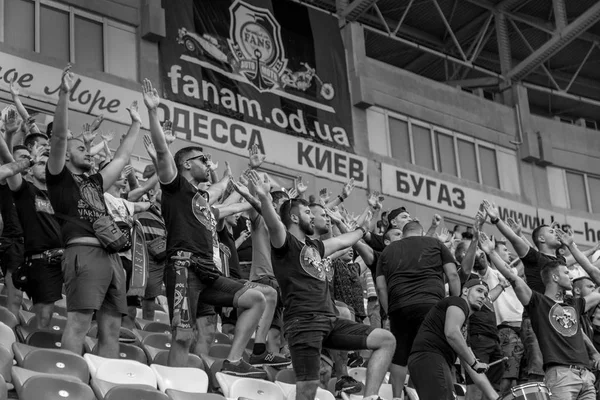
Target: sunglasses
<point>201,157</point>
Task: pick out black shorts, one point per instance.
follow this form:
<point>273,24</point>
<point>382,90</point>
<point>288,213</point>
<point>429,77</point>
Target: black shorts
<point>44,281</point>
<point>94,279</point>
<point>308,334</point>
<point>404,325</point>
<point>12,254</point>
<point>277,322</point>
<point>156,277</point>
<point>487,350</point>
<point>431,375</point>
<point>202,297</point>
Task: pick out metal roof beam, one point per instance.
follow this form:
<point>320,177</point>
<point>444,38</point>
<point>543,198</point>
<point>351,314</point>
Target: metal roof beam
<point>556,43</point>
<point>355,9</point>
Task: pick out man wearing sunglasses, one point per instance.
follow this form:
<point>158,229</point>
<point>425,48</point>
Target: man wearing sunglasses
<point>194,278</point>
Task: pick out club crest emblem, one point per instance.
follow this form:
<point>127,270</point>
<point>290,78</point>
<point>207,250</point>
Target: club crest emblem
<point>564,319</point>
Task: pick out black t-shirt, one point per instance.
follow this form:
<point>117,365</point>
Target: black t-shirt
<point>534,262</point>
<point>77,196</point>
<point>229,255</point>
<point>431,337</point>
<point>373,266</point>
<point>303,276</point>
<point>12,225</point>
<point>40,230</point>
<point>482,322</point>
<point>413,270</point>
<point>245,250</point>
<point>376,242</point>
<point>558,329</point>
<point>191,224</point>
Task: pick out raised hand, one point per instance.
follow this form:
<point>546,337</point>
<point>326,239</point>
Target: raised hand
<point>565,238</point>
<point>445,235</point>
<point>97,122</point>
<point>335,215</point>
<point>66,80</point>
<point>14,90</point>
<point>258,185</point>
<point>301,187</point>
<point>516,226</point>
<point>12,122</point>
<point>491,209</point>
<point>255,158</point>
<point>486,244</point>
<point>227,171</point>
<point>480,218</point>
<point>168,131</point>
<point>239,187</point>
<point>210,164</point>
<point>30,124</point>
<point>127,170</point>
<point>324,196</point>
<point>367,221</point>
<point>292,193</point>
<point>348,188</point>
<point>87,134</point>
<point>134,112</point>
<point>36,152</point>
<point>108,136</point>
<point>375,200</point>
<point>150,148</point>
<point>151,97</point>
<point>437,220</point>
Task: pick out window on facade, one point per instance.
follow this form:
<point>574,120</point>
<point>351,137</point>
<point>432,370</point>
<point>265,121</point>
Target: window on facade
<point>577,192</point>
<point>489,167</point>
<point>19,28</point>
<point>71,35</point>
<point>594,186</point>
<point>399,139</point>
<point>468,160</point>
<point>445,153</point>
<point>422,145</point>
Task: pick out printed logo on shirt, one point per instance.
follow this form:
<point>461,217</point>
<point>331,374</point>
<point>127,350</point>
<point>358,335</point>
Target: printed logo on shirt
<point>91,206</point>
<point>564,320</point>
<point>311,262</point>
<point>43,205</point>
<point>201,211</point>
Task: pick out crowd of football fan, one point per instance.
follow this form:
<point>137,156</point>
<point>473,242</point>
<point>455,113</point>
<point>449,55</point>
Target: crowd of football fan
<point>312,286</point>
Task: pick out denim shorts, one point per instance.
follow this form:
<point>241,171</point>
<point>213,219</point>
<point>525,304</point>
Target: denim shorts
<point>308,334</point>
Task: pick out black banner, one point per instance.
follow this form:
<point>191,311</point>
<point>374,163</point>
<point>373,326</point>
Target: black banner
<point>271,63</point>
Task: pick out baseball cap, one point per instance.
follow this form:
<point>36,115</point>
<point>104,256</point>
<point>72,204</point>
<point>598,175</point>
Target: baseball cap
<point>395,212</point>
<point>474,281</point>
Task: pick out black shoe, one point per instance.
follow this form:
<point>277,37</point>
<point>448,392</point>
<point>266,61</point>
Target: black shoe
<point>270,359</point>
<point>348,385</point>
<point>243,369</point>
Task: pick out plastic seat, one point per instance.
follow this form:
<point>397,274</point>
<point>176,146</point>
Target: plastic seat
<point>59,311</point>
<point>3,389</point>
<point>7,337</point>
<point>289,391</point>
<point>54,388</point>
<point>27,303</point>
<point>219,350</point>
<point>152,326</point>
<point>161,316</point>
<point>6,364</point>
<point>112,373</point>
<point>162,358</point>
<point>125,335</point>
<point>8,317</point>
<point>385,391</point>
<point>25,317</point>
<point>58,362</point>
<point>234,387</point>
<point>358,373</point>
<point>286,376</point>
<point>22,375</point>
<point>108,391</point>
<point>221,338</point>
<point>177,395</point>
<point>191,380</point>
<point>45,339</point>
<point>213,365</point>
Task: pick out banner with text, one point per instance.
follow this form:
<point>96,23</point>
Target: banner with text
<point>461,200</point>
<point>95,97</point>
<point>273,64</point>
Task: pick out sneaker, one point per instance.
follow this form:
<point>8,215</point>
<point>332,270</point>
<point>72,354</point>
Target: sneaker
<point>355,360</point>
<point>243,369</point>
<point>270,359</point>
<point>347,384</point>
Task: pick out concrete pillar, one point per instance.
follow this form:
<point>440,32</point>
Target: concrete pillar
<point>504,55</point>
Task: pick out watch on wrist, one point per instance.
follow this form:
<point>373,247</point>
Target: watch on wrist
<point>474,363</point>
<point>494,220</point>
<point>364,231</point>
<point>341,198</point>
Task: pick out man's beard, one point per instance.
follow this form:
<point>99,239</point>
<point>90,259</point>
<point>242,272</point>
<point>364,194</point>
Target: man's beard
<point>307,228</point>
<point>479,264</point>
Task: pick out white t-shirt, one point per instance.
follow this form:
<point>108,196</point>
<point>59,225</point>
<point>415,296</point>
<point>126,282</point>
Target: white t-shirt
<point>122,211</point>
<point>507,306</point>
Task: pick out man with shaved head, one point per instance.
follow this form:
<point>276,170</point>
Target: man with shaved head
<point>93,275</point>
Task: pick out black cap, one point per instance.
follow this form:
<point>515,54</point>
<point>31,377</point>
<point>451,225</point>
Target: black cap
<point>395,212</point>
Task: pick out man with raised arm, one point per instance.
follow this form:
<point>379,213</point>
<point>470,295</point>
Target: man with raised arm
<point>94,277</point>
<point>303,270</point>
<point>555,319</point>
<point>193,268</point>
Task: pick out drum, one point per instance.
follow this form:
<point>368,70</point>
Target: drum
<point>528,391</point>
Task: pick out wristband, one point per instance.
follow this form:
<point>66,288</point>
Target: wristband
<point>31,162</point>
<point>494,220</point>
<point>341,198</point>
<point>474,364</point>
<point>364,231</point>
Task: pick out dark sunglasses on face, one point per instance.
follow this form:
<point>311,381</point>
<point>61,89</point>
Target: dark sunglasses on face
<point>201,157</point>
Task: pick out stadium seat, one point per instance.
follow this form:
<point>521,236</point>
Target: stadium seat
<point>213,365</point>
<point>125,335</point>
<point>190,380</point>
<point>358,373</point>
<point>221,338</point>
<point>6,364</point>
<point>286,376</point>
<point>289,392</point>
<point>154,344</point>
<point>161,316</point>
<point>59,311</point>
<point>54,388</point>
<point>110,373</point>
<point>4,388</point>
<point>153,326</point>
<point>8,317</point>
<point>21,375</point>
<point>385,391</point>
<point>27,303</point>
<point>7,337</point>
<point>25,317</point>
<point>51,361</point>
<point>108,391</point>
<point>44,339</point>
<point>3,299</point>
<point>234,387</point>
<point>162,358</point>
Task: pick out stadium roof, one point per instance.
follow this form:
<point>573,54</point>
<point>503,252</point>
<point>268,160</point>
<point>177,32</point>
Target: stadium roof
<point>552,46</point>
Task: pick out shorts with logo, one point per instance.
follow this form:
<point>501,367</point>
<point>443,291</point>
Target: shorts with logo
<point>277,322</point>
<point>203,295</point>
<point>307,334</point>
<point>94,279</point>
<point>512,347</point>
<point>44,281</point>
<point>12,253</point>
